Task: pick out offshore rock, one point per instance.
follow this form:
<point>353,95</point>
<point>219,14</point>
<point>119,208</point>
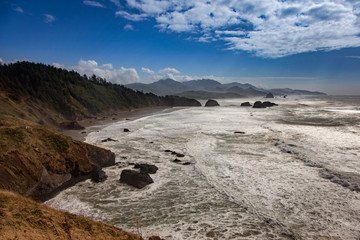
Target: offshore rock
<point>98,175</point>
<point>147,168</point>
<point>239,132</point>
<point>259,104</point>
<point>269,95</point>
<point>245,104</point>
<point>135,178</point>
<point>211,103</point>
<point>109,140</point>
<point>269,104</point>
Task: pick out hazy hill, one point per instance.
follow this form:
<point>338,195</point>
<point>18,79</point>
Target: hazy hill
<point>161,88</point>
<point>208,88</point>
<point>204,84</point>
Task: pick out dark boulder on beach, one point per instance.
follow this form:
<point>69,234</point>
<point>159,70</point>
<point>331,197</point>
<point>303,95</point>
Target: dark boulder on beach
<point>245,104</point>
<point>269,95</point>
<point>147,168</point>
<point>269,104</point>
<point>211,103</point>
<point>259,104</point>
<point>135,178</point>
<point>98,175</point>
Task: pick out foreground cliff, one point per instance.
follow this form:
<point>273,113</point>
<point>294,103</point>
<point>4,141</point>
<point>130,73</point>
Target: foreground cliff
<point>36,161</point>
<point>22,218</point>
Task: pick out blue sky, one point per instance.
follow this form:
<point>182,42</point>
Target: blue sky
<point>304,44</point>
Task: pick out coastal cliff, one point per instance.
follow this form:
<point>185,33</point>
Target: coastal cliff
<point>37,162</point>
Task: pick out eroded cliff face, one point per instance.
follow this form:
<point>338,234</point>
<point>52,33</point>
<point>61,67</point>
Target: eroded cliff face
<point>37,161</point>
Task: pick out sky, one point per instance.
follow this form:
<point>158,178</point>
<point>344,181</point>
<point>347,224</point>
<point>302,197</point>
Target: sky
<point>300,44</point>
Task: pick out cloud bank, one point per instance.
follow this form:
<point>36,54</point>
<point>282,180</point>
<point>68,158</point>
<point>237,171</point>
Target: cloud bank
<point>268,28</point>
<point>121,75</point>
<point>173,73</point>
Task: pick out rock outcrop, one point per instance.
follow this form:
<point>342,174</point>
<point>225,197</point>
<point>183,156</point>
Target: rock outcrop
<point>211,103</point>
<point>176,101</point>
<point>38,162</point>
<point>147,168</point>
<point>98,175</point>
<point>135,178</point>
<point>259,104</point>
<point>269,104</point>
<point>109,140</point>
<point>269,95</point>
<point>245,104</point>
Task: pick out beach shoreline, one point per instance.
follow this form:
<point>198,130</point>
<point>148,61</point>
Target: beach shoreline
<point>102,120</point>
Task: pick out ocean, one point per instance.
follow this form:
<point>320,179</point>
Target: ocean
<point>293,172</point>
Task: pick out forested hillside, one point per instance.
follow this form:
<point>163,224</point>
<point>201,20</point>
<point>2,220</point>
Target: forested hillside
<point>60,94</point>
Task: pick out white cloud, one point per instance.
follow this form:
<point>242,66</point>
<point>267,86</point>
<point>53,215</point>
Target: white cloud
<point>93,3</point>
<point>268,28</point>
<point>183,78</point>
<point>49,18</point>
<point>169,70</point>
<point>129,27</point>
<point>121,75</point>
<point>131,17</point>
<point>172,73</point>
<point>147,70</point>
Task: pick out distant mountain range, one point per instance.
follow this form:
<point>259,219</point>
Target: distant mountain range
<point>208,88</point>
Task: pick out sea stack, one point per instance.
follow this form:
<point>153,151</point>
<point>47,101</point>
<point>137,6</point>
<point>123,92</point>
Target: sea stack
<point>269,95</point>
<point>245,104</point>
<point>211,103</point>
<point>259,104</point>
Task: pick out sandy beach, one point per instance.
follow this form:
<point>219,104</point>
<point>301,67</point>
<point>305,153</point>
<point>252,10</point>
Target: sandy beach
<point>100,121</point>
